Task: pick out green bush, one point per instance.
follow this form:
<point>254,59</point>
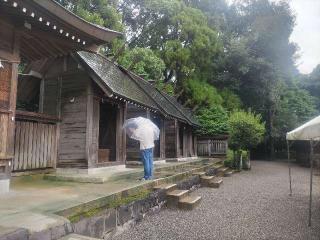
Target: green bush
<point>246,130</point>
<point>233,159</point>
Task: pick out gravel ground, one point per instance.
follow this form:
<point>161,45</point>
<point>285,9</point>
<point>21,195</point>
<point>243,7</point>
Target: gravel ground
<point>249,205</point>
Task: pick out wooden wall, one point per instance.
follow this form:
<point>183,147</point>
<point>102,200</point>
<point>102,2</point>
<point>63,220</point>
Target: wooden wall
<point>73,126</point>
<point>35,146</point>
<point>10,55</point>
<point>171,138</point>
<point>51,87</point>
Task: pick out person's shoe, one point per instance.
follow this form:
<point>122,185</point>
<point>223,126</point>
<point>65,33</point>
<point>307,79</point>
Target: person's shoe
<point>142,179</point>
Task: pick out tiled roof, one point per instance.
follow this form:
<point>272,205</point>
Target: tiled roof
<point>116,80</point>
<point>162,102</point>
<point>185,111</point>
<point>126,84</point>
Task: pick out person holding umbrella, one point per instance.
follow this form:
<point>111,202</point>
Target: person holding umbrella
<point>146,132</point>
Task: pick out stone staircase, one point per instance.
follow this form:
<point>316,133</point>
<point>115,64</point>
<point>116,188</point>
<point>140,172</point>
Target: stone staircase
<point>183,199</point>
<point>176,198</point>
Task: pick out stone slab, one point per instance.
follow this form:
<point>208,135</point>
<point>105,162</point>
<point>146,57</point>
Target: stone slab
<point>4,186</point>
<point>77,237</point>
<point>189,202</point>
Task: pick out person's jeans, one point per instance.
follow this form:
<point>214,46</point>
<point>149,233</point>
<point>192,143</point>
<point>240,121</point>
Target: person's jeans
<point>147,160</point>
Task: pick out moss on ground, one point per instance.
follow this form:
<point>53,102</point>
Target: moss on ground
<point>119,201</point>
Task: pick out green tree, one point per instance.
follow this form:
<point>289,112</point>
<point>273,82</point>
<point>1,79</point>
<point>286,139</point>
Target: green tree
<point>246,130</point>
<point>179,33</point>
<point>311,83</point>
<point>296,107</point>
<point>199,94</point>
<point>213,121</point>
<point>144,62</point>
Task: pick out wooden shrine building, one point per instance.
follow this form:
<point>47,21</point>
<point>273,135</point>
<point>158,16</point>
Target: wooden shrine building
<point>91,97</point>
<point>33,30</point>
<point>67,106</point>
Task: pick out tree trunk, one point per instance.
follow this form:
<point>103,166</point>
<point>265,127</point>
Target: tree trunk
<point>270,133</point>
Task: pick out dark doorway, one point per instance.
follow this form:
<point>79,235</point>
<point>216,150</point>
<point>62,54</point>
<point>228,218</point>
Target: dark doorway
<point>28,93</point>
<point>107,133</point>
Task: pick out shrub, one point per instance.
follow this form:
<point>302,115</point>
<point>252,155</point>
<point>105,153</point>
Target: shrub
<point>246,130</point>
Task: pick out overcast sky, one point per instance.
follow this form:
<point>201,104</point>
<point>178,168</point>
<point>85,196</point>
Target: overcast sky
<point>306,33</point>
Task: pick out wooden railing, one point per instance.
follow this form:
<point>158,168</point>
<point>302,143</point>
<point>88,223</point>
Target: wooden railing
<point>212,147</point>
<point>35,145</point>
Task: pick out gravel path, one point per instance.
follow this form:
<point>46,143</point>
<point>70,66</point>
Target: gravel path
<point>249,205</point>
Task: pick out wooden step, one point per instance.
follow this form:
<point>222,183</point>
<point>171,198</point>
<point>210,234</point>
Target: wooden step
<point>189,202</point>
<point>173,197</point>
<point>200,174</point>
<point>77,237</point>
<point>228,173</point>
<point>205,180</point>
<point>215,183</point>
<point>166,187</point>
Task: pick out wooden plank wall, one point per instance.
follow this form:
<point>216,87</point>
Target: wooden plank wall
<point>170,139</point>
<point>5,85</point>
<point>73,126</point>
<point>50,96</point>
<point>4,120</point>
<point>35,146</point>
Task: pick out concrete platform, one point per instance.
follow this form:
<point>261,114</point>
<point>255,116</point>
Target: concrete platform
<point>36,204</point>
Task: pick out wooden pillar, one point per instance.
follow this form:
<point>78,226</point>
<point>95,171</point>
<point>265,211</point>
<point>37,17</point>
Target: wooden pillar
<point>92,132</point>
<point>120,134</point>
<point>8,94</point>
<point>185,142</point>
<point>162,139</point>
<point>195,146</point>
<point>177,142</point>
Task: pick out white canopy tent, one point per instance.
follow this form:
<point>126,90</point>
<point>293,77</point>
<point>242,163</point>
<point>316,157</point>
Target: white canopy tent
<point>309,131</point>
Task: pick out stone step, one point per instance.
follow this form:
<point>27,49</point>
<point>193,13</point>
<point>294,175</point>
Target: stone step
<point>173,197</point>
<point>228,173</point>
<point>189,202</point>
<point>205,180</point>
<point>200,174</point>
<point>215,183</point>
<point>221,171</point>
<point>77,237</point>
<point>166,187</point>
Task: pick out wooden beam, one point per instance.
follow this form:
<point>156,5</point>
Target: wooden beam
<point>9,56</point>
<point>30,49</point>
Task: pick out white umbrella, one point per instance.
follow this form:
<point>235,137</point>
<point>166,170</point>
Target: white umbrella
<point>142,124</point>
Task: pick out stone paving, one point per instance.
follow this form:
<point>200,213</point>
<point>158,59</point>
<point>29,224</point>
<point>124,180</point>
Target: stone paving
<point>33,201</point>
<point>249,205</point>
